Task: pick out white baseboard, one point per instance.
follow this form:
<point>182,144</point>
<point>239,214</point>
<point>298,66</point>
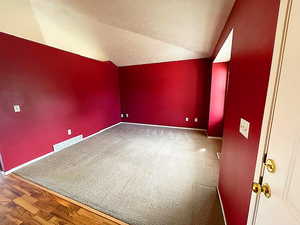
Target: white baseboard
<point>92,135</point>
<point>154,125</point>
<point>85,138</point>
<point>222,206</point>
<point>212,137</point>
<point>51,153</point>
<point>27,163</point>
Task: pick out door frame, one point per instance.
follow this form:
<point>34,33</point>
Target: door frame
<point>1,165</point>
<point>271,100</point>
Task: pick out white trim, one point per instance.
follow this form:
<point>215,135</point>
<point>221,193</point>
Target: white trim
<point>154,125</point>
<point>27,163</point>
<point>51,153</point>
<point>222,207</point>
<point>92,135</point>
<point>212,137</point>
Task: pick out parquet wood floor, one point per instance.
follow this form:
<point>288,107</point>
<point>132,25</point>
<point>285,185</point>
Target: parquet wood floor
<point>24,203</point>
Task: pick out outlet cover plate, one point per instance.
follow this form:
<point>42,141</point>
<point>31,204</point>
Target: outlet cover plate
<point>17,108</point>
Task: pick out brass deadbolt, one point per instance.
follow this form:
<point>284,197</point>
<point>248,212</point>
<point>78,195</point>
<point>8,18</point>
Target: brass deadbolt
<point>270,165</point>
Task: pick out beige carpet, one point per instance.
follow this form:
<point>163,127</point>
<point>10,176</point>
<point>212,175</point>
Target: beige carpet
<point>139,174</point>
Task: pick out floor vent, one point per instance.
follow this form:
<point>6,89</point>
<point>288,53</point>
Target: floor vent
<point>67,143</point>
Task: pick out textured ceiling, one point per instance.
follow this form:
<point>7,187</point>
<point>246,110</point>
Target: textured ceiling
<point>127,32</point>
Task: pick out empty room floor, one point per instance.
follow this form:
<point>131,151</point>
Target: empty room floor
<point>141,175</point>
<point>23,203</point>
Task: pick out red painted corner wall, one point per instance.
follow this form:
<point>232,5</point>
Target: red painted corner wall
<point>57,91</point>
<point>254,23</point>
<point>217,99</point>
<point>166,93</point>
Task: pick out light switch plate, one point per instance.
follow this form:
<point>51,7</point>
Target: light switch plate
<point>244,128</point>
<point>17,108</point>
<point>127,115</point>
<point>69,131</point>
<point>122,115</point>
<point>196,120</point>
<point>186,119</point>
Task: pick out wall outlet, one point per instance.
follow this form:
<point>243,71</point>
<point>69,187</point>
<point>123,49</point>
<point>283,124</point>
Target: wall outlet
<point>187,119</point>
<point>196,120</point>
<point>17,108</point>
<point>69,131</point>
<point>127,115</point>
<point>244,128</point>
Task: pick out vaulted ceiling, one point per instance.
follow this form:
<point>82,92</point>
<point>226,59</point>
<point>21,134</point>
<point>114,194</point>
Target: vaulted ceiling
<point>127,32</point>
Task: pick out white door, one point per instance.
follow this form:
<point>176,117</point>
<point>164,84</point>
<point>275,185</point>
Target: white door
<point>283,137</point>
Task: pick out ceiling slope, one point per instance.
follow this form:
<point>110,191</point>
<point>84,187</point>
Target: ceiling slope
<point>127,32</point>
<point>17,18</point>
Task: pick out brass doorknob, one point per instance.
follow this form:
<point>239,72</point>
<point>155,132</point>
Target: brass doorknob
<point>270,165</point>
<point>266,189</point>
<point>256,188</point>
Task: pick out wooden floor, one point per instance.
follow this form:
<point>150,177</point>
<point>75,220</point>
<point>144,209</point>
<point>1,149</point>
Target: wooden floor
<point>24,203</point>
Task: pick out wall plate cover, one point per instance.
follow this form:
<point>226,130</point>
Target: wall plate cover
<point>244,128</point>
<point>17,108</point>
<point>69,131</point>
<point>186,119</point>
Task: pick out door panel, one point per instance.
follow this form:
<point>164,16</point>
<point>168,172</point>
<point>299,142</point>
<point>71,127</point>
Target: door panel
<point>293,181</point>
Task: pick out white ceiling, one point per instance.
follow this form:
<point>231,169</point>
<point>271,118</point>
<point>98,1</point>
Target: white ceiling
<point>224,55</point>
<point>127,32</point>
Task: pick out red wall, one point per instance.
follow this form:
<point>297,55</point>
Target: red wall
<point>254,24</point>
<point>166,93</point>
<point>217,99</point>
<point>57,90</point>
